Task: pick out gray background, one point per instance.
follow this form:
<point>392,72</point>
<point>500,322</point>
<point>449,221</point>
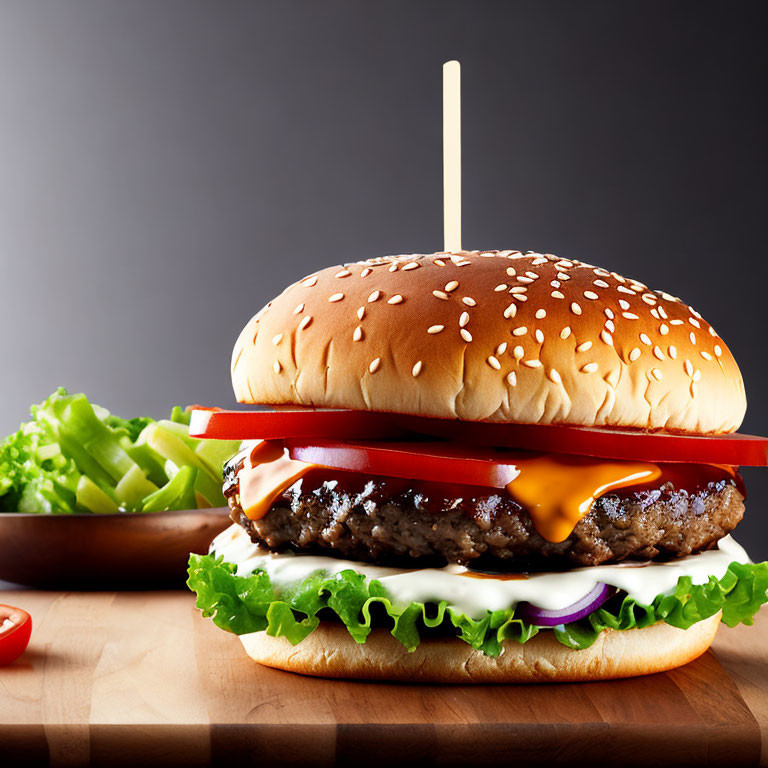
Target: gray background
<point>167,166</point>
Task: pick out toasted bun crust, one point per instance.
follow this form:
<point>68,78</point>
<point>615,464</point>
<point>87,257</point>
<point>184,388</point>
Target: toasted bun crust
<point>330,652</point>
<point>497,336</point>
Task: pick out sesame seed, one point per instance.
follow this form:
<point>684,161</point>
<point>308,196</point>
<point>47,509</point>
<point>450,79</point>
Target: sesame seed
<point>502,348</point>
<point>540,314</point>
<point>393,268</point>
<point>584,347</point>
<point>516,289</point>
<point>563,276</point>
<point>469,301</point>
<point>609,313</point>
<point>676,322</point>
<point>375,296</point>
<point>649,298</point>
<point>695,313</point>
<point>623,304</point>
<point>662,312</point>
<point>672,351</point>
<point>575,308</point>
<point>309,282</point>
<point>367,271</point>
<point>692,337</point>
<point>539,334</point>
<point>518,352</point>
<point>557,295</point>
<point>610,326</point>
<point>539,260</point>
<point>500,287</point>
<point>663,329</point>
<point>466,263</point>
<point>606,337</point>
<point>519,297</point>
<point>706,355</point>
<point>564,264</point>
<point>634,354</point>
<point>277,338</point>
<point>601,271</point>
<point>655,313</point>
<point>396,299</point>
<point>416,370</point>
<point>452,286</point>
<point>435,328</point>
<point>361,313</point>
<point>463,319</point>
<point>591,295</point>
<point>523,279</point>
<point>658,353</point>
<point>644,338</point>
<point>343,273</point>
<point>656,373</point>
<point>601,284</point>
<point>276,367</point>
<point>520,331</point>
<point>694,322</point>
<point>554,376</point>
<point>712,331</point>
<point>305,322</point>
<point>494,363</point>
<point>440,295</point>
<point>298,309</point>
<point>624,289</point>
<point>629,316</point>
<point>566,332</point>
<point>589,368</point>
<point>510,311</point>
<point>696,375</point>
<point>718,350</point>
<point>532,363</point>
<point>358,334</point>
<point>512,379</point>
<point>688,367</point>
<point>511,271</point>
<point>439,262</point>
<point>335,297</point>
<point>466,335</point>
<point>411,265</point>
<point>374,366</point>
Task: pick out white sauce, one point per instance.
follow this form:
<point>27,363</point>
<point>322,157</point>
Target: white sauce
<point>473,596</point>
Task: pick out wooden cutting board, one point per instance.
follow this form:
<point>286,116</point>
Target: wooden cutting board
<point>141,679</point>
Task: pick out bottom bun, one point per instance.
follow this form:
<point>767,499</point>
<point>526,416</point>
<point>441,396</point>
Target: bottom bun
<point>330,652</point>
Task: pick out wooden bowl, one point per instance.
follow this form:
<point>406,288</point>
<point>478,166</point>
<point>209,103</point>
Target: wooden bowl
<point>121,551</point>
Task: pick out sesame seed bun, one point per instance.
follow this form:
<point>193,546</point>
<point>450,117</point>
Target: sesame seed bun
<point>330,652</point>
<point>498,336</point>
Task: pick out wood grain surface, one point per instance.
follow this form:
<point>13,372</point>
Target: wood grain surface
<point>141,679</point>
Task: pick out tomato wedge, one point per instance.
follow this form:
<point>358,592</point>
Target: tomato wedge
<point>15,631</point>
<point>631,445</point>
<point>437,462</point>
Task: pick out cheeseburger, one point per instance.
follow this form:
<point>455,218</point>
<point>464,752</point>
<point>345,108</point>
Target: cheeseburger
<point>480,467</point>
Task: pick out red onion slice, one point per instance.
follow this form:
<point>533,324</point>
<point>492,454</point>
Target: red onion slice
<point>578,610</point>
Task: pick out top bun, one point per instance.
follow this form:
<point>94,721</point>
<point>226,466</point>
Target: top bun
<point>491,336</point>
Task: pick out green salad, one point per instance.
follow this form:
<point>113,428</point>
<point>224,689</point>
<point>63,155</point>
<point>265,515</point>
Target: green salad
<point>75,456</point>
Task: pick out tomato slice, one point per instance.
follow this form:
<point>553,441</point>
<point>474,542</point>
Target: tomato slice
<point>631,445</point>
<point>15,631</point>
<point>273,425</point>
<point>734,449</point>
<point>438,462</point>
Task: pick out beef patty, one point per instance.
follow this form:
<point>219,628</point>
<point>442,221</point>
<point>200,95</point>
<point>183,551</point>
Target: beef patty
<point>400,522</point>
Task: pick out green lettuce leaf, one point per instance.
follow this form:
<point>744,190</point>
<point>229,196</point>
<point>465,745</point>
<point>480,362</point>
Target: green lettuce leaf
<point>242,604</point>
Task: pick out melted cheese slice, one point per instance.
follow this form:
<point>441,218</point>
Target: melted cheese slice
<point>557,492</point>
